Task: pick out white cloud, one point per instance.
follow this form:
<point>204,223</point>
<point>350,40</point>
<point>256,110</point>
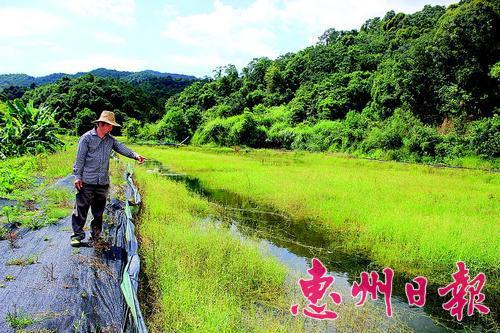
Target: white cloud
<point>9,51</point>
<point>170,10</point>
<point>225,34</point>
<point>121,12</point>
<point>316,16</point>
<point>110,38</point>
<point>41,45</point>
<point>240,34</point>
<point>18,22</point>
<point>188,63</point>
<point>94,61</point>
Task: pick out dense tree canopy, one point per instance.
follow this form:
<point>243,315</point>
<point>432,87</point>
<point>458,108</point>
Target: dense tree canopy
<point>76,100</point>
<point>422,86</point>
<point>418,87</point>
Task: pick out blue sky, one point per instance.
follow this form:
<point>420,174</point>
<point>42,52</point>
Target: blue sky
<point>189,37</point>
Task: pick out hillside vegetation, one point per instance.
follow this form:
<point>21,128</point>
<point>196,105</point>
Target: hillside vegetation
<point>421,87</point>
<point>78,101</point>
<point>417,87</point>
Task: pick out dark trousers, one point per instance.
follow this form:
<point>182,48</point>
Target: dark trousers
<point>94,197</point>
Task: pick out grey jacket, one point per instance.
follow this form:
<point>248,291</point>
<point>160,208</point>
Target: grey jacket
<point>92,158</point>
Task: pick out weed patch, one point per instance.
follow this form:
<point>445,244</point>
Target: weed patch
<point>23,261</point>
<point>17,319</point>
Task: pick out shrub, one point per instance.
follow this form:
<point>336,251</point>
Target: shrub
<point>245,131</point>
<point>485,137</point>
<point>214,131</point>
<point>422,141</point>
<point>451,146</point>
<point>303,135</point>
<point>132,128</point>
<point>280,135</point>
<point>389,134</point>
<point>15,174</point>
<point>83,121</point>
<point>148,132</point>
<point>236,130</point>
<point>356,127</point>
<point>173,126</point>
<point>270,116</point>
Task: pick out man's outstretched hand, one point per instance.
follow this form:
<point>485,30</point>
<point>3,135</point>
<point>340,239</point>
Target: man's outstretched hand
<point>140,158</point>
<point>78,184</point>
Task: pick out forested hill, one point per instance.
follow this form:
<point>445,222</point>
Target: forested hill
<point>24,80</point>
<point>418,87</point>
<point>78,101</point>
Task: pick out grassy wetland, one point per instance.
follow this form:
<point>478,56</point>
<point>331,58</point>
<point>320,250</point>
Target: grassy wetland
<point>226,233</point>
<point>416,219</point>
<point>200,275</point>
<point>202,278</point>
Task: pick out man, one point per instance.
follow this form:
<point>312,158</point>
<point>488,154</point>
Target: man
<point>91,170</point>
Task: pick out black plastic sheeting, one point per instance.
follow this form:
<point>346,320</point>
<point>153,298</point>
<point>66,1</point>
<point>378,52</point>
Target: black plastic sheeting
<point>73,289</point>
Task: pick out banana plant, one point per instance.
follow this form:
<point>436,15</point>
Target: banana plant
<point>25,129</point>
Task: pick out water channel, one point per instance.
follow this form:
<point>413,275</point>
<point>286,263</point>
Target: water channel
<point>295,243</point>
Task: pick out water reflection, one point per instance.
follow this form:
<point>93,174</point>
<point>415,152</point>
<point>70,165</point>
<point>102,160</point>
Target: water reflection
<point>295,243</point>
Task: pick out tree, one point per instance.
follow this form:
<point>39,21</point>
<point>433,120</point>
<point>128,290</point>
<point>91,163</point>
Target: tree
<point>83,121</point>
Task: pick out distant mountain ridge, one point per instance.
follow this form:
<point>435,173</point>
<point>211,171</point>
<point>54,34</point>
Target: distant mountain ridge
<point>25,80</point>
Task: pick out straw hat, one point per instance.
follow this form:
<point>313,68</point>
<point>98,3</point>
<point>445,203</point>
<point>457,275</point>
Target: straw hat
<point>107,117</point>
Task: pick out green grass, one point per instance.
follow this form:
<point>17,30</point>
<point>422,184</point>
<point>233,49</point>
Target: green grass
<point>203,276</point>
<point>9,278</point>
<point>18,182</point>
<point>18,174</point>
<point>18,319</point>
<point>416,219</point>
<point>203,279</point>
<point>23,261</point>
<point>3,232</point>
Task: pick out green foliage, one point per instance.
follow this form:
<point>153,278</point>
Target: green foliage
<point>148,132</point>
<point>23,80</point>
<point>281,135</point>
<point>214,131</point>
<point>402,137</point>
<point>173,125</point>
<point>131,128</point>
<point>7,80</point>
<point>23,261</point>
<point>18,319</point>
<point>37,204</point>
<point>3,232</point>
<point>236,130</point>
<point>246,131</point>
<point>12,92</point>
<point>495,71</point>
<point>83,121</point>
<point>384,91</point>
<point>485,137</point>
<point>142,100</point>
<point>16,174</point>
<point>25,129</point>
